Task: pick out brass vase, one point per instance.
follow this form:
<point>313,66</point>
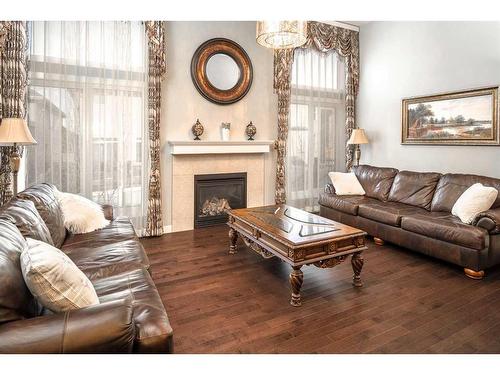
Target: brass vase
<point>250,131</point>
<point>197,130</point>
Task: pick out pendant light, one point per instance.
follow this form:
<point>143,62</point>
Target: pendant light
<point>281,34</point>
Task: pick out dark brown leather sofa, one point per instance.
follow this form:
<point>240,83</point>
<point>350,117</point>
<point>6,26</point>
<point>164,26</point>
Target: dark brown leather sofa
<point>130,317</point>
<point>413,210</point>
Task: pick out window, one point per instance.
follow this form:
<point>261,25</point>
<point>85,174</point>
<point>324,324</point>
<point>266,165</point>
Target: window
<point>87,109</point>
<point>315,139</point>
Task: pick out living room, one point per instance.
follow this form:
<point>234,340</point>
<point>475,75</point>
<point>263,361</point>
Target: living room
<point>199,181</point>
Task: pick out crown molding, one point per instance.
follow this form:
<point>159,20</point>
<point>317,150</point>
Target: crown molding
<point>344,25</point>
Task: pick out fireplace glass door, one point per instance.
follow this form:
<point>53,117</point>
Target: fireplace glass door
<point>214,194</point>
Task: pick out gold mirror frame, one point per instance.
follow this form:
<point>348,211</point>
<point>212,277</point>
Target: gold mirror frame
<point>199,70</point>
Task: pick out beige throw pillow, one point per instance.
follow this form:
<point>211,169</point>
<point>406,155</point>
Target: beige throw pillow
<point>81,215</point>
<point>477,198</point>
<point>346,183</point>
<point>55,281</point>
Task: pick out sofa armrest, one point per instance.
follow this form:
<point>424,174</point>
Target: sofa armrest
<point>103,328</point>
<point>489,220</point>
<point>329,189</point>
<point>108,211</point>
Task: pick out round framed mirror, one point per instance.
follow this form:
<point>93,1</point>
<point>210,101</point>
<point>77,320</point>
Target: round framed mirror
<point>221,71</point>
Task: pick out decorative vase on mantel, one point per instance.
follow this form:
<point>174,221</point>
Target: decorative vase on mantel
<point>250,131</point>
<point>225,131</point>
<point>197,130</point>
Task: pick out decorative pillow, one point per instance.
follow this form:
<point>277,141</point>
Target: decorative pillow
<point>55,281</point>
<point>477,198</point>
<point>346,183</point>
<point>27,219</point>
<point>81,215</point>
<point>44,197</point>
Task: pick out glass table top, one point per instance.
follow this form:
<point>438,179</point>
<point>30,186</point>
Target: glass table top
<point>275,221</point>
<point>286,218</point>
<point>311,230</point>
<point>304,217</point>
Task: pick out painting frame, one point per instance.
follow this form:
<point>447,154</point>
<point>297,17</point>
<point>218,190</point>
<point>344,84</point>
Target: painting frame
<point>494,140</point>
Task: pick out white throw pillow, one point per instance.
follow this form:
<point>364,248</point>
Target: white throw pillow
<point>346,183</point>
<point>477,198</point>
<point>81,215</point>
<point>55,281</point>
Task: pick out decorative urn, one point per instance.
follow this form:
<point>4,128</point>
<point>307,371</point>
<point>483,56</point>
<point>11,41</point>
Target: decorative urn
<point>197,130</point>
<point>250,131</point>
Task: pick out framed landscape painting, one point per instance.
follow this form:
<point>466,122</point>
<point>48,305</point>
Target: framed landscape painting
<point>459,118</point>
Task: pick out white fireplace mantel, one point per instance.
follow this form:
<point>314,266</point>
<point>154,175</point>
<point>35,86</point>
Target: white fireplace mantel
<point>219,147</point>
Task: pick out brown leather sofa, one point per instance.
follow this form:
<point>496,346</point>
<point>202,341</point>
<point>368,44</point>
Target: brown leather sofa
<point>130,317</point>
<point>413,210</point>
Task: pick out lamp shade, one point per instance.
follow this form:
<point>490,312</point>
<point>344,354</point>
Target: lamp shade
<point>15,130</point>
<point>358,137</point>
<point>281,34</point>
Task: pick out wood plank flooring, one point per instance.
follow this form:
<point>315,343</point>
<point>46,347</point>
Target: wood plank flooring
<point>410,303</point>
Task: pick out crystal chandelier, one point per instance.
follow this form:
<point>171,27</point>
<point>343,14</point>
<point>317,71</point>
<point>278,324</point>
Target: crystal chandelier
<point>281,34</point>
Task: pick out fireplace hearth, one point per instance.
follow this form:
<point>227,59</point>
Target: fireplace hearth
<point>216,193</point>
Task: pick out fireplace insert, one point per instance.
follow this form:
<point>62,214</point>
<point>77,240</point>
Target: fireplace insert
<point>216,193</point>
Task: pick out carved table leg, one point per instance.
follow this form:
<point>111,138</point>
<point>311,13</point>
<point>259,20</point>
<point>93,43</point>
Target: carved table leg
<point>296,280</point>
<point>357,264</point>
<point>233,238</point>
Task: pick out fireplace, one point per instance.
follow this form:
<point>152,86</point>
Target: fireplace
<point>216,193</point>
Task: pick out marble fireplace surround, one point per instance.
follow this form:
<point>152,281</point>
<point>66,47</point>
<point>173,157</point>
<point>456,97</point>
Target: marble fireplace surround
<point>200,157</point>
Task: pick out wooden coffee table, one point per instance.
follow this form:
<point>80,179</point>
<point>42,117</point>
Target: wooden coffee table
<point>298,238</point>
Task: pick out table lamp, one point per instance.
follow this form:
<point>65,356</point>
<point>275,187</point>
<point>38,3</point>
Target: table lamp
<point>15,132</point>
<point>358,137</point>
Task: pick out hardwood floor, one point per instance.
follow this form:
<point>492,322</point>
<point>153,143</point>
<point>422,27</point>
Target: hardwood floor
<point>410,303</point>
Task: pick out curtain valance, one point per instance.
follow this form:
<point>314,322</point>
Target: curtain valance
<point>345,42</point>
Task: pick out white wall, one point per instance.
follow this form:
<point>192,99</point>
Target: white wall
<point>403,59</point>
<point>182,104</point>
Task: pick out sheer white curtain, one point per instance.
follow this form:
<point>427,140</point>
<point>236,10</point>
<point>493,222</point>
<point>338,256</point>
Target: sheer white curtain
<point>316,140</point>
<point>87,109</point>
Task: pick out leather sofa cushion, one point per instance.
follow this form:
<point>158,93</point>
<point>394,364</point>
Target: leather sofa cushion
<point>115,243</point>
<point>153,330</point>
<point>101,272</point>
<point>101,256</point>
<point>344,203</point>
<point>104,328</point>
<point>27,219</point>
<point>376,181</point>
<point>451,186</point>
<point>414,188</point>
<point>446,227</point>
<point>45,200</point>
<point>16,301</point>
<point>388,212</point>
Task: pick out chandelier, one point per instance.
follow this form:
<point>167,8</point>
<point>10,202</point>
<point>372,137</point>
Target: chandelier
<point>281,34</point>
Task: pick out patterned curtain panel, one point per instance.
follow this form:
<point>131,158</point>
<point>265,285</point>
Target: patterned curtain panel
<point>155,31</point>
<point>13,83</point>
<point>323,38</point>
<point>283,60</point>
